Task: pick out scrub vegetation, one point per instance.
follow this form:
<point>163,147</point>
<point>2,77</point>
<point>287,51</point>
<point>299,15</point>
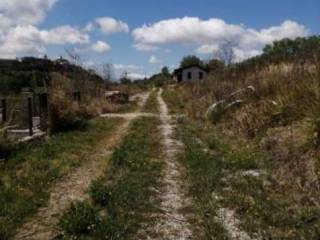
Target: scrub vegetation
<point>258,151</point>
<point>122,198</point>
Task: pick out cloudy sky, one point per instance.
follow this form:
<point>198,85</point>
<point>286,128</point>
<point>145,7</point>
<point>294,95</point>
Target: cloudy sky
<point>140,36</point>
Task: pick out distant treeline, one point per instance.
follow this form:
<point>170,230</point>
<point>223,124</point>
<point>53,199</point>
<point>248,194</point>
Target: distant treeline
<point>30,72</point>
<point>300,50</point>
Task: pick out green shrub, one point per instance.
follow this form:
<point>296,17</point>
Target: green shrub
<point>79,219</point>
<point>316,123</point>
<point>66,120</point>
<point>5,229</point>
<point>6,147</point>
<point>66,115</point>
<point>100,193</point>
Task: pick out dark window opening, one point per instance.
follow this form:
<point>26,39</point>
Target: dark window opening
<point>200,75</point>
<point>189,75</point>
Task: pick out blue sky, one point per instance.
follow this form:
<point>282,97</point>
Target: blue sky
<point>143,35</point>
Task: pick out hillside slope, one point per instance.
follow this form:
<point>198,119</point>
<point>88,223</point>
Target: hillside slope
<point>258,146</point>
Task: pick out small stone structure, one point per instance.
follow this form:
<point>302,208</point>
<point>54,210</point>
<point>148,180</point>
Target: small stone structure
<point>190,73</point>
<point>117,97</point>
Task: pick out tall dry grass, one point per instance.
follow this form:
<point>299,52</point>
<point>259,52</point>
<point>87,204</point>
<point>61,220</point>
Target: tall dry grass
<point>284,94</point>
<point>67,114</point>
<point>279,125</point>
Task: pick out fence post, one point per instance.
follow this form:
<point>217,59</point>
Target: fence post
<point>4,110</point>
<point>43,110</point>
<point>30,116</point>
<point>77,96</point>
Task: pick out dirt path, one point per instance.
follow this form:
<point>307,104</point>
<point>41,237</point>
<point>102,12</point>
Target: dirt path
<point>73,187</point>
<point>129,115</point>
<point>172,223</point>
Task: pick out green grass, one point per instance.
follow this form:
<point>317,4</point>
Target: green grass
<point>127,107</point>
<point>203,174</point>
<point>80,218</point>
<point>123,195</point>
<point>152,105</point>
<point>175,102</point>
<point>28,173</point>
<point>264,206</point>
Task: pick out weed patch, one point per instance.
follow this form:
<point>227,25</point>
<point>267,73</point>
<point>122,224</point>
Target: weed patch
<point>79,219</point>
<point>175,103</point>
<point>100,193</point>
<point>152,105</point>
<point>30,170</point>
<point>265,207</point>
<point>203,173</point>
<point>124,193</point>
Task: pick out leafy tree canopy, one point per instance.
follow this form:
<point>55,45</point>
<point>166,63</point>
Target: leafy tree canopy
<point>165,71</point>
<point>190,61</point>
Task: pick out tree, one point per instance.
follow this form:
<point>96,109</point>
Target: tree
<point>108,72</point>
<point>190,61</point>
<point>215,65</point>
<point>74,57</point>
<point>226,53</point>
<point>165,71</point>
<point>288,49</point>
<point>124,79</point>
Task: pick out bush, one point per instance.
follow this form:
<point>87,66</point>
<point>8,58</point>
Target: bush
<point>79,219</point>
<point>316,123</point>
<point>100,193</point>
<point>66,115</point>
<point>6,147</point>
<point>5,228</point>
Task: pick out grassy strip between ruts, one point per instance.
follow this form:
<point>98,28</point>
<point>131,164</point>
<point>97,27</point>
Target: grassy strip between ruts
<point>152,105</point>
<point>175,102</point>
<point>129,107</point>
<point>28,173</point>
<point>121,199</point>
<point>203,174</point>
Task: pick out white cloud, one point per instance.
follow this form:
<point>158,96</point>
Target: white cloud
<point>89,27</point>
<point>110,25</point>
<point>210,35</point>
<point>5,22</point>
<point>101,47</point>
<point>127,67</point>
<point>65,34</point>
<point>136,76</point>
<point>29,40</point>
<point>145,47</point>
<point>18,32</point>
<point>89,64</point>
<point>153,60</point>
<point>26,11</point>
<point>240,54</point>
<point>207,48</point>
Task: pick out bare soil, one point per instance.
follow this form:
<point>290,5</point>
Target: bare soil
<point>172,220</point>
<point>74,186</point>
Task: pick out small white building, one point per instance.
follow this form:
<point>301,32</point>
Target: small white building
<point>190,73</point>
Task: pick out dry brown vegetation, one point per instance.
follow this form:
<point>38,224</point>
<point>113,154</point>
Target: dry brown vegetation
<point>275,128</point>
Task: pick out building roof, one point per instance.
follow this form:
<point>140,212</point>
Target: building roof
<point>178,70</point>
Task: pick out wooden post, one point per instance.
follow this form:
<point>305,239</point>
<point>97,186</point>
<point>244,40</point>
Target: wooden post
<point>43,110</point>
<point>4,110</point>
<point>30,116</point>
<point>77,96</point>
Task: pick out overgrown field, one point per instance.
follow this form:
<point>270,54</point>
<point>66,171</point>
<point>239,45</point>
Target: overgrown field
<point>259,157</point>
<point>152,105</point>
<point>122,198</point>
<point>30,170</point>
